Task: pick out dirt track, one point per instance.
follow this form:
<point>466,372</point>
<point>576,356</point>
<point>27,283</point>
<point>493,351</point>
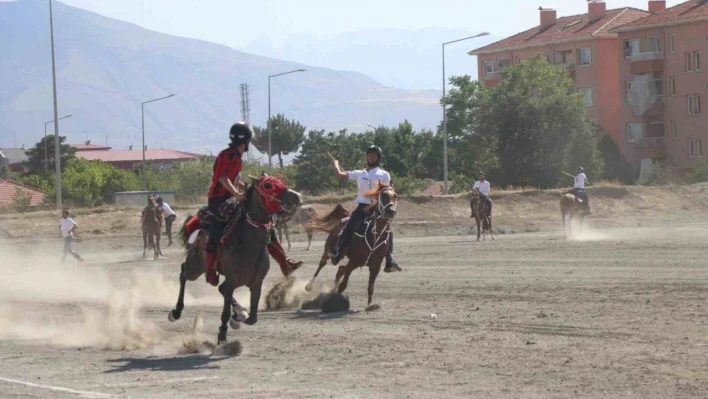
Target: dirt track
<point>619,313</point>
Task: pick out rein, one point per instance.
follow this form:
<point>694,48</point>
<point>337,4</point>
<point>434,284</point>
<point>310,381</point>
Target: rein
<point>379,239</point>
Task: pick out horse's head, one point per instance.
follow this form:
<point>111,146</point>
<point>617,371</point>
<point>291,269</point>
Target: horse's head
<point>475,196</point>
<point>386,200</point>
<point>150,202</point>
<point>275,195</point>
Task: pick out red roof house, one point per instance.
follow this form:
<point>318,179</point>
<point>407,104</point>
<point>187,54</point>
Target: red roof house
<point>8,192</point>
<point>130,159</point>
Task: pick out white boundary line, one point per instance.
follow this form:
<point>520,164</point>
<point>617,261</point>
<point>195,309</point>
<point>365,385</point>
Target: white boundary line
<point>85,394</point>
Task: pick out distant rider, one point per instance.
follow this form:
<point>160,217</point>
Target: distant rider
<point>579,189</point>
<point>169,215</point>
<point>484,188</point>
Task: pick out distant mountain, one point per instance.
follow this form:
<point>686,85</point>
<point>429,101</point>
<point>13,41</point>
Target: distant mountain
<point>106,68</point>
<point>410,59</point>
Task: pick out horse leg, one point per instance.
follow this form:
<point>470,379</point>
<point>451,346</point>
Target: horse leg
<point>373,273</point>
<point>489,222</point>
<point>227,291</point>
<point>476,218</point>
<point>145,243</point>
<point>287,235</point>
<point>309,239</point>
<point>345,278</point>
<point>176,313</point>
<point>323,262</point>
<point>255,299</point>
<point>157,243</point>
<point>565,230</point>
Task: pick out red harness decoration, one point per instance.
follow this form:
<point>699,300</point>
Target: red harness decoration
<point>270,189</point>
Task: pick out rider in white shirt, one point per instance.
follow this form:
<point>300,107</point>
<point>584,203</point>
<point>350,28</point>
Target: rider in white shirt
<point>484,188</point>
<point>67,226</point>
<point>169,216</point>
<point>366,179</point>
<point>579,188</point>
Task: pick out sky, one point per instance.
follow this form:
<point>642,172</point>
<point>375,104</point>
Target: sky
<point>236,23</point>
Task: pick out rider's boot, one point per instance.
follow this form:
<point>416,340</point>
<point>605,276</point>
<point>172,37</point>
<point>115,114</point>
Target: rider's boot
<point>339,252</point>
<point>391,265</point>
<point>211,276</point>
<point>287,266</point>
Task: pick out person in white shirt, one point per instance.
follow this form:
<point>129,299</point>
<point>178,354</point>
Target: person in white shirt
<point>484,188</point>
<point>579,188</point>
<point>366,179</point>
<point>169,216</point>
<point>67,227</point>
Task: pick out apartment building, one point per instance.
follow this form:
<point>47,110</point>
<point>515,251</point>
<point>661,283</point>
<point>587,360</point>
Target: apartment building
<point>633,88</point>
<point>662,113</point>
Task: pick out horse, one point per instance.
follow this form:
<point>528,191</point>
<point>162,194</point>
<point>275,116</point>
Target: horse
<point>302,216</point>
<point>151,221</point>
<point>368,249</point>
<point>243,257</point>
<point>481,215</point>
<point>571,206</point>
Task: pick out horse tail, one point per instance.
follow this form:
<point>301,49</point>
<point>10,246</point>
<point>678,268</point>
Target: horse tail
<point>329,222</point>
<point>190,224</point>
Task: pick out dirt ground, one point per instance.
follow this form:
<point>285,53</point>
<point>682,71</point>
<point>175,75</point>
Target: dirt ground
<point>619,311</point>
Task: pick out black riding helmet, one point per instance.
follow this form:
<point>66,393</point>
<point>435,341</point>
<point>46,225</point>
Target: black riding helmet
<point>581,170</point>
<point>240,133</point>
<point>158,199</point>
<point>376,150</point>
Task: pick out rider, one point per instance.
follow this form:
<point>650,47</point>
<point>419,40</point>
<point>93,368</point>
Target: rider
<point>169,215</point>
<point>484,187</point>
<point>227,171</point>
<point>367,179</point>
<point>579,188</point>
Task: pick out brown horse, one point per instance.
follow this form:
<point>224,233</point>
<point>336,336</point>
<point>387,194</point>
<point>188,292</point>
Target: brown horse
<point>367,249</point>
<point>571,206</point>
<point>243,258</point>
<point>480,213</point>
<point>151,220</point>
<point>302,216</point>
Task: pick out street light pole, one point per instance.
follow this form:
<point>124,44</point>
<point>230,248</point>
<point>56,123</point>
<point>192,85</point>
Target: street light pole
<point>371,126</point>
<point>46,155</point>
<point>270,158</point>
<point>142,116</point>
<point>444,106</point>
<point>57,156</point>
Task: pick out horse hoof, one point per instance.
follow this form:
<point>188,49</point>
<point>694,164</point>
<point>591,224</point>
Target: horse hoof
<point>171,316</point>
<point>221,342</point>
<point>308,287</point>
<point>234,324</point>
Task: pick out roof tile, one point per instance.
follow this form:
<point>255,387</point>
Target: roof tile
<point>8,190</point>
<point>684,12</point>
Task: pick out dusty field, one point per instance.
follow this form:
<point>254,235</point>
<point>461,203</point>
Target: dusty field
<point>618,313</point>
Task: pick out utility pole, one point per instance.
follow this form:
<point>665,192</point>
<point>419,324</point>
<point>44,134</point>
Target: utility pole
<point>57,155</point>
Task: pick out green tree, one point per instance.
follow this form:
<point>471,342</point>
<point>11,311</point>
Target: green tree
<point>616,167</point>
<point>286,137</point>
<point>533,116</point>
<point>36,158</point>
<point>699,173</point>
<point>6,173</point>
<point>21,201</point>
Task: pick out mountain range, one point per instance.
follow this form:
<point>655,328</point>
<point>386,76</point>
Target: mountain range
<point>106,68</point>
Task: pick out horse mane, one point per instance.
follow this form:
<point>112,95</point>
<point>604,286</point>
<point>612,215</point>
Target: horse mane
<point>374,192</point>
<point>329,222</point>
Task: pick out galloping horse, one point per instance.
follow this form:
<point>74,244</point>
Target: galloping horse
<point>480,213</point>
<point>151,221</point>
<point>571,206</point>
<point>302,216</point>
<point>242,258</point>
<point>367,249</point>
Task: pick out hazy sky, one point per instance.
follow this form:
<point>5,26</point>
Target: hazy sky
<point>237,23</point>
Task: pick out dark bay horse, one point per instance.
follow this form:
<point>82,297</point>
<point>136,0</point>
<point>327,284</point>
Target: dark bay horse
<point>151,221</point>
<point>369,249</point>
<point>243,259</point>
<point>480,213</point>
<point>571,206</point>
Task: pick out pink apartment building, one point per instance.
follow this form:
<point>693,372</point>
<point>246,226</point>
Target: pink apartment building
<point>660,70</point>
<point>604,53</point>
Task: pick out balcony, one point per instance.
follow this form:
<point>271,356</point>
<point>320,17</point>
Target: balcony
<point>656,111</point>
<point>569,66</point>
<point>491,79</point>
<point>651,147</point>
<point>649,62</point>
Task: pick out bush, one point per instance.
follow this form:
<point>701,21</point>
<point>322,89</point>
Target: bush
<point>658,175</point>
<point>410,185</point>
<point>21,201</point>
<point>700,172</point>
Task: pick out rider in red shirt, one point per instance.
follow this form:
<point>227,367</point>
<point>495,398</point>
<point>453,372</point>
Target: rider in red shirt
<point>227,175</point>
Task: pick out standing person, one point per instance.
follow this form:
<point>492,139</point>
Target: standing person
<point>67,227</point>
<point>579,188</point>
<point>484,188</point>
<point>169,215</point>
<point>367,179</point>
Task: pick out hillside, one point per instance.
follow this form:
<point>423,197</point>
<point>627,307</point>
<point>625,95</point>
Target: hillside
<point>106,68</point>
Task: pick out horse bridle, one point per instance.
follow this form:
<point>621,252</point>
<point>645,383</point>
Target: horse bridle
<point>382,208</point>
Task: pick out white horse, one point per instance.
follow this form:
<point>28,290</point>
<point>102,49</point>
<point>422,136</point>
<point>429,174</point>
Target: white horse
<point>301,217</point>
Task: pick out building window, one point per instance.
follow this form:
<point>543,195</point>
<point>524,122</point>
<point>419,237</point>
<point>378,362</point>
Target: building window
<point>671,43</point>
<point>493,68</point>
<point>631,47</point>
<point>627,89</point>
<point>691,149</point>
<point>517,62</point>
<point>673,86</point>
<point>689,62</point>
<point>634,132</point>
<point>659,85</point>
<point>697,105</point>
<point>689,105</point>
<point>697,61</point>
<point>674,134</point>
<point>700,147</point>
<point>584,56</point>
<point>587,95</point>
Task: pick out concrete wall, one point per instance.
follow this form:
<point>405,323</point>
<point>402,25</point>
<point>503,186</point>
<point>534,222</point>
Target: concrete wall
<point>139,198</point>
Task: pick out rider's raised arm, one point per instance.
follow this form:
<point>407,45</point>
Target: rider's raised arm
<point>339,172</point>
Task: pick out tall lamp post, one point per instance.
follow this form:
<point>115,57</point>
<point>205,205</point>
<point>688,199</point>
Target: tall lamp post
<point>270,158</point>
<point>46,152</point>
<point>142,165</point>
<point>57,156</point>
<point>444,106</point>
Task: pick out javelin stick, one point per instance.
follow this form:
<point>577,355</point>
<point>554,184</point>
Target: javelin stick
<point>569,175</point>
